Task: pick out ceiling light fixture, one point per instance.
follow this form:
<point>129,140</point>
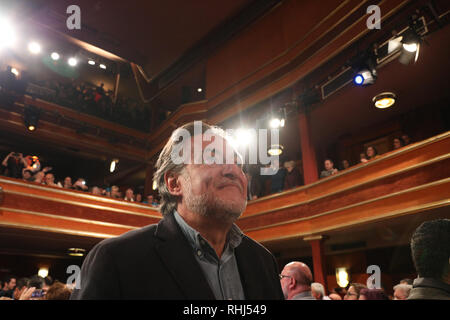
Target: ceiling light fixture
<point>275,150</point>
<point>102,66</point>
<point>384,100</point>
<point>76,252</point>
<point>34,47</point>
<point>72,62</point>
<point>55,56</point>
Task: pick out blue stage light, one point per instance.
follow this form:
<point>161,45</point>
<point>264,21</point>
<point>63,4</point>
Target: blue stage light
<point>358,79</point>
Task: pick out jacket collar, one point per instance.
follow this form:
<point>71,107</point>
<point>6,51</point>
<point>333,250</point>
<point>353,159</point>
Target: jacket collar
<point>176,254</point>
<point>431,283</point>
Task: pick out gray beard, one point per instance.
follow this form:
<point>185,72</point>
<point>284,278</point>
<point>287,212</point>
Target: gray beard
<point>208,206</point>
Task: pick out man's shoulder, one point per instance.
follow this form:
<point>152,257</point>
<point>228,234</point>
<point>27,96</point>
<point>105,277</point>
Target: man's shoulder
<point>252,245</point>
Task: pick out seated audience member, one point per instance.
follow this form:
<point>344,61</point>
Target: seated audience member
<point>115,193</point>
<point>253,186</point>
<point>129,195</point>
<point>345,164</point>
<point>340,291</point>
<point>21,287</point>
<point>80,185</point>
<point>277,179</point>
<point>318,291</point>
<point>401,291</point>
<point>96,191</point>
<point>406,281</point>
<point>353,291</point>
<point>58,291</point>
<point>9,285</point>
<point>371,153</point>
<point>27,175</point>
<point>49,180</point>
<point>148,200</point>
<point>430,250</point>
<point>296,279</point>
<point>397,143</point>
<point>293,178</point>
<point>68,183</point>
<point>372,294</point>
<point>138,197</point>
<point>329,169</point>
<point>363,158</point>
<point>406,140</point>
<point>39,177</point>
<point>14,162</point>
<point>334,296</point>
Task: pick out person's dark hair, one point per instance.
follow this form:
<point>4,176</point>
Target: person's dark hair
<point>358,287</point>
<point>375,151</point>
<point>22,282</point>
<point>373,294</point>
<point>58,291</point>
<point>402,143</point>
<point>8,278</point>
<point>48,280</point>
<point>36,281</point>
<point>430,248</point>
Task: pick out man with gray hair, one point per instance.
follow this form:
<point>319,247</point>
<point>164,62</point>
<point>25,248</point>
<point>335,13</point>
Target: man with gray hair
<point>318,291</point>
<point>401,291</point>
<point>196,251</point>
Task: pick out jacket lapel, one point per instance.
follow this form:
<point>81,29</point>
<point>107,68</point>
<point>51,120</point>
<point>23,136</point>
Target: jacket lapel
<point>178,257</point>
<point>249,273</point>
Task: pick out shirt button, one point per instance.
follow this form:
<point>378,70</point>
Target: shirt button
<point>199,252</point>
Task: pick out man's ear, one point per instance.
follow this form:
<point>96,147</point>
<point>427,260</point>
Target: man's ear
<point>173,183</point>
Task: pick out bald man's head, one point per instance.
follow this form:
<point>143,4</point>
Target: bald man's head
<point>301,272</point>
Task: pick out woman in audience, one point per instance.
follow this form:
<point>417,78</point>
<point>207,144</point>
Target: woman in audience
<point>371,153</point>
<point>354,290</point>
<point>345,164</point>
<point>372,294</point>
<point>397,143</point>
<point>68,183</point>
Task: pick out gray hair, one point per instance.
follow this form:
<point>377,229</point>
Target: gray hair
<point>405,287</point>
<point>318,288</point>
<point>165,164</point>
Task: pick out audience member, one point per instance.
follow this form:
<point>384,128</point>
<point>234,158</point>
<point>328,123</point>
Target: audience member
<point>21,286</point>
<point>397,143</point>
<point>353,291</point>
<point>115,193</point>
<point>49,180</point>
<point>329,169</point>
<point>406,139</point>
<point>58,291</point>
<point>345,164</point>
<point>129,195</point>
<point>14,162</point>
<point>340,291</point>
<point>372,294</point>
<point>68,183</point>
<point>138,197</point>
<point>48,282</point>
<point>39,177</point>
<point>96,191</point>
<point>293,178</point>
<point>253,186</point>
<point>334,296</point>
<point>402,291</point>
<point>277,177</point>
<point>430,250</point>
<point>27,175</point>
<point>80,185</point>
<point>406,281</point>
<point>371,153</point>
<point>318,291</point>
<point>8,287</point>
<point>296,279</point>
<point>363,158</point>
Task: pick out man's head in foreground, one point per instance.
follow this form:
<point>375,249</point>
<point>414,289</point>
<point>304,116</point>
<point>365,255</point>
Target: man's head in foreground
<point>198,172</point>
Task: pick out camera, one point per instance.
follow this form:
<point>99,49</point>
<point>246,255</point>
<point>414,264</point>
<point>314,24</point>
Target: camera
<point>39,293</point>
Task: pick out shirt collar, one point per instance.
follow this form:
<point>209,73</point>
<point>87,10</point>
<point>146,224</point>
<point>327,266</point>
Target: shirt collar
<point>234,237</point>
<point>431,283</point>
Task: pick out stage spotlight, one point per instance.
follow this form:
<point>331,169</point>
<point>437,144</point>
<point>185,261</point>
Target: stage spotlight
<point>384,100</point>
<point>34,47</point>
<point>31,118</point>
<point>411,46</point>
<point>43,272</point>
<point>275,150</point>
<point>102,66</point>
<point>7,35</point>
<point>243,137</point>
<point>275,123</point>
<point>55,56</point>
<point>72,62</point>
<point>364,77</point>
<point>91,62</point>
<point>15,71</point>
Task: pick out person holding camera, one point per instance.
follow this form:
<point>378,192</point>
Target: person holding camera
<point>14,162</point>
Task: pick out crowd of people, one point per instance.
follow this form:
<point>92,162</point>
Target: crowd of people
<point>33,288</point>
<point>28,168</point>
<point>369,154</point>
<point>83,97</point>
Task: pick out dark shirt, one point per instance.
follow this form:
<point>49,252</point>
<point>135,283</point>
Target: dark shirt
<point>277,180</point>
<point>292,179</point>
<point>15,167</point>
<point>429,288</point>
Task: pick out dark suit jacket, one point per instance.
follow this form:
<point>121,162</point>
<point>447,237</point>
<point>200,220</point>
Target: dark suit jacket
<point>157,262</point>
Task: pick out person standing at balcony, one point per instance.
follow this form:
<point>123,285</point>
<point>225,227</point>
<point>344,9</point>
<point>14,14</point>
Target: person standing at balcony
<point>14,162</point>
<point>371,153</point>
<point>329,169</point>
<point>293,178</point>
<point>196,251</point>
<point>129,195</point>
<point>296,279</point>
<point>397,143</point>
<point>430,250</point>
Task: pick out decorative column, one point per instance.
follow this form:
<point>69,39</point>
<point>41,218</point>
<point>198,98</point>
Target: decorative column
<point>318,256</point>
<point>310,172</point>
